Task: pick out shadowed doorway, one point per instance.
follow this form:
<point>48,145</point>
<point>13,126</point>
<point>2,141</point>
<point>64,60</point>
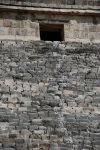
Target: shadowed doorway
<point>51,32</point>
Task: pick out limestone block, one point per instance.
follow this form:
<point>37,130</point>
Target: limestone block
<point>34,25</point>
<point>74,23</point>
<point>96,3</point>
<point>68,92</point>
<point>22,109</point>
<point>71,35</point>
<point>4,31</point>
<point>39,132</point>
<point>96,147</point>
<point>71,2</point>
<point>15,24</point>
<point>62,46</point>
<point>98,35</point>
<point>52,89</point>
<point>4,88</point>
<point>13,64</point>
<point>72,104</point>
<point>37,121</point>
<point>26,104</point>
<point>83,35</point>
<point>76,34</point>
<point>34,88</point>
<point>12,100</point>
<point>25,133</point>
<point>5,95</point>
<point>37,33</point>
<point>26,86</point>
<point>11,31</point>
<point>19,88</point>
<point>15,95</point>
<point>98,28</point>
<point>3,105</point>
<point>96,89</point>
<point>9,82</point>
<point>66,34</point>
<point>23,99</point>
<point>27,23</point>
<point>1,23</point>
<point>19,24</point>
<point>67,27</point>
<point>91,3</point>
<point>31,32</point>
<point>91,35</point>
<point>84,2</point>
<point>21,31</point>
<point>78,2</point>
<point>93,28</point>
<point>7,23</point>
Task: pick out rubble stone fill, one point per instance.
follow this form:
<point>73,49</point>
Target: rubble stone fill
<point>49,95</point>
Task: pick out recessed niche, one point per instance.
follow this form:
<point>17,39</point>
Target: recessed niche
<point>51,32</point>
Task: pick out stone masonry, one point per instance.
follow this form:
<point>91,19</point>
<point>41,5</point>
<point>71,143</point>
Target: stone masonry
<point>52,3</point>
<point>21,19</point>
<point>49,95</point>
<point>49,90</point>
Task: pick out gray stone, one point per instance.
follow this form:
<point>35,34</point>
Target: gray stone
<point>55,106</point>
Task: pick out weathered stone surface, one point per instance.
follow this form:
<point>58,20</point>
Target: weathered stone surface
<point>83,27</point>
<point>51,3</point>
<point>51,98</point>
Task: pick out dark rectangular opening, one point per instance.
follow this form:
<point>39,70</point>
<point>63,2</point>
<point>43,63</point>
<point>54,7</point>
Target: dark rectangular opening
<point>50,35</point>
<point>51,32</point>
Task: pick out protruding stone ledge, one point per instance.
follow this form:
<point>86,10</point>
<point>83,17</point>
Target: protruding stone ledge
<point>72,10</point>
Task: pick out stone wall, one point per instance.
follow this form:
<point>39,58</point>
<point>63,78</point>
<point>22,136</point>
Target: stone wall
<point>25,26</point>
<point>49,96</point>
<point>18,25</point>
<point>52,3</point>
<point>82,28</point>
